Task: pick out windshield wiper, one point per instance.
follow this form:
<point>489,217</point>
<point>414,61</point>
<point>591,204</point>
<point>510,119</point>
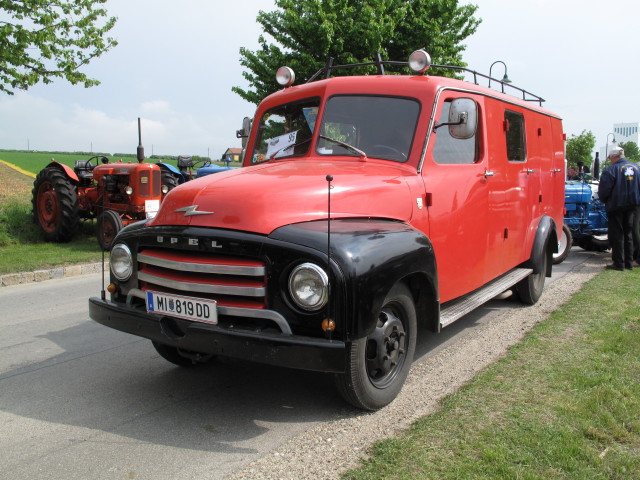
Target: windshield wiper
<point>363,155</point>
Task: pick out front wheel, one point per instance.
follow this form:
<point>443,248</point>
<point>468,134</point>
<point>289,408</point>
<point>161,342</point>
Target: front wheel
<point>378,364</point>
<point>108,225</point>
<point>564,246</point>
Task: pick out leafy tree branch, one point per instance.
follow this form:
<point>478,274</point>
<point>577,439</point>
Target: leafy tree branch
<point>43,40</point>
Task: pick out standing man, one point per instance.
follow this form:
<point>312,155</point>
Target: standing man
<point>619,189</point>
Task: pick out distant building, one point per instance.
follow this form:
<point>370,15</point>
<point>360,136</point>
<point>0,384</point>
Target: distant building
<point>232,154</point>
<point>622,133</point>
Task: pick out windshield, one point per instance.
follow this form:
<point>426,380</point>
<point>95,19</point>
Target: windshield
<point>380,127</point>
<point>286,130</point>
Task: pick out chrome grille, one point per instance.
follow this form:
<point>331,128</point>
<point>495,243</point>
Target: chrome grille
<point>231,281</point>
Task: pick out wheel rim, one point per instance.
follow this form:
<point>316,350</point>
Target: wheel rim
<point>386,348</point>
<point>562,246</point>
<point>48,208</point>
<point>107,232</point>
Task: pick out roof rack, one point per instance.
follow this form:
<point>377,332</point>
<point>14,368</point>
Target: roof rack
<point>379,64</point>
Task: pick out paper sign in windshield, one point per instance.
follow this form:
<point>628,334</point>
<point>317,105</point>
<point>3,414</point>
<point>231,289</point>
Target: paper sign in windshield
<point>282,146</point>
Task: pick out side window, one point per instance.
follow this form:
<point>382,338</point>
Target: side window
<point>516,142</point>
<point>449,150</point>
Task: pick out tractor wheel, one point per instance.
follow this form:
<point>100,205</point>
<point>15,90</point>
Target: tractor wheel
<point>108,225</point>
<point>564,246</point>
<point>55,205</point>
<point>169,179</point>
<point>594,243</point>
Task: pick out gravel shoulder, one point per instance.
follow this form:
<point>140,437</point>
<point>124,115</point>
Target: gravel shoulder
<point>329,448</point>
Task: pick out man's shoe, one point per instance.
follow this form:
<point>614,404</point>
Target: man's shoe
<point>614,267</point>
<point>628,267</point>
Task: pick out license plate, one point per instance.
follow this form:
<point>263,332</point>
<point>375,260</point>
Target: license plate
<point>195,309</point>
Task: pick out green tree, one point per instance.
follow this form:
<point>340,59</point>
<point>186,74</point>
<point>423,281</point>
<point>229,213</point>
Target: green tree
<point>631,151</point>
<point>306,32</point>
<point>45,39</point>
<point>580,148</point>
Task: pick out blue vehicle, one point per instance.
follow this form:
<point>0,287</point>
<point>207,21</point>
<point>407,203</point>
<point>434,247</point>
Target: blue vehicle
<point>172,176</point>
<point>585,219</point>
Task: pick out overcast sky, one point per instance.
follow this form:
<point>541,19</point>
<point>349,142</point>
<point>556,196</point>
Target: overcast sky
<point>174,67</point>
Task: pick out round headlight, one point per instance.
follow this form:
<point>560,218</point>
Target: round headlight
<point>165,189</point>
<point>419,61</point>
<point>121,262</point>
<point>309,286</point>
<point>285,76</point>
<point>128,190</point>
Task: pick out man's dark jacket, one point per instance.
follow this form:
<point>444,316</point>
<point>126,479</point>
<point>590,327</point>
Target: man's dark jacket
<point>620,186</point>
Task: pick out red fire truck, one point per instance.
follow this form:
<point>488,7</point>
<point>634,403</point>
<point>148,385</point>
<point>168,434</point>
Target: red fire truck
<point>366,206</point>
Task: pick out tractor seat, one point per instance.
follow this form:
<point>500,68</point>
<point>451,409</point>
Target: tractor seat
<point>83,168</point>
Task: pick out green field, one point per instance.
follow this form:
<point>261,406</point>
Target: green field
<point>33,162</point>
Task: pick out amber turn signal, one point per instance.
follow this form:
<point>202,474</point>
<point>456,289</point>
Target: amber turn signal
<point>328,325</point>
<point>112,288</point>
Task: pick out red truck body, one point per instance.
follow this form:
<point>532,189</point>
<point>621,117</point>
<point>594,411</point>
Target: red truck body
<point>366,205</point>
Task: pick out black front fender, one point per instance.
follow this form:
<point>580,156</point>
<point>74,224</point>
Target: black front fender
<point>369,257</point>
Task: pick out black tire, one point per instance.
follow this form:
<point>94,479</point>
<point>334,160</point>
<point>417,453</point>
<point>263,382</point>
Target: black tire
<point>182,359</point>
<point>55,205</point>
<point>108,225</point>
<point>594,243</point>
<point>564,246</point>
<point>530,289</point>
<point>378,365</point>
<point>169,179</point>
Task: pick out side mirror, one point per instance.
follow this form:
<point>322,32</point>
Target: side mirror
<point>463,118</point>
<point>244,132</point>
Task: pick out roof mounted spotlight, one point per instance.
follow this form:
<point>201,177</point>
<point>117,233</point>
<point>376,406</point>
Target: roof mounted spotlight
<point>285,77</point>
<point>419,61</point>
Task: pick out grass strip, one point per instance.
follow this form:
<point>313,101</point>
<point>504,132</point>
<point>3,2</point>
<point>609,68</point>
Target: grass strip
<point>563,404</point>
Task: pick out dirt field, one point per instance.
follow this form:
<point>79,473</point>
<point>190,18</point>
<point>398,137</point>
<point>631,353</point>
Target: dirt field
<point>14,185</point>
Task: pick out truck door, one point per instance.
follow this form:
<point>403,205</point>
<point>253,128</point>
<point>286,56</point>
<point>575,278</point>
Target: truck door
<point>515,187</point>
<point>457,198</point>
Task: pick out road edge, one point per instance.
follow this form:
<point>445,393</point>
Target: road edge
<point>12,279</point>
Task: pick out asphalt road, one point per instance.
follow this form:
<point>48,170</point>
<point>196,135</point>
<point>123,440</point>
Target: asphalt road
<point>82,401</point>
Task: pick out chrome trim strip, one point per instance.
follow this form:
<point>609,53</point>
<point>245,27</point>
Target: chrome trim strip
<point>254,313</point>
<point>203,288</point>
<point>135,292</point>
<point>201,267</point>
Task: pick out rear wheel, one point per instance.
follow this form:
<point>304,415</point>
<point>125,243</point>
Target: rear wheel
<point>378,365</point>
<point>55,205</point>
<point>530,289</point>
<point>180,357</point>
<point>594,243</point>
<point>564,246</point>
<point>169,179</point>
<point>108,225</point>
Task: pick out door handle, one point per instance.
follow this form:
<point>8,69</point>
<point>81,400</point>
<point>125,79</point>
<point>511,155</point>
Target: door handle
<point>488,173</point>
<point>529,170</point>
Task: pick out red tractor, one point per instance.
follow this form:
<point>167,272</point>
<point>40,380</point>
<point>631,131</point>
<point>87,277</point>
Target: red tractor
<point>115,193</point>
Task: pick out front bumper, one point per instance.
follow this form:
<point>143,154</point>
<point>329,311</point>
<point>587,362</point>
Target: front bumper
<point>304,353</point>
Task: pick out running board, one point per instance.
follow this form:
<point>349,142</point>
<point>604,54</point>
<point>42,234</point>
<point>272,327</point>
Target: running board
<point>453,310</point>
